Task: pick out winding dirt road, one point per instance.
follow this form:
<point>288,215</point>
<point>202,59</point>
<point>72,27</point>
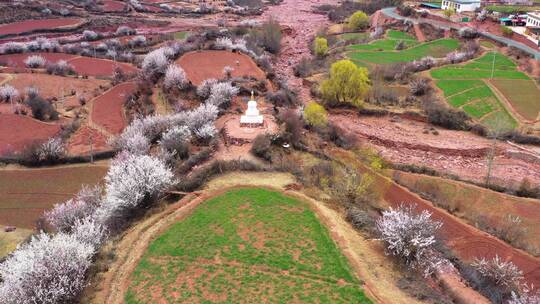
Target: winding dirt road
<point>303,24</point>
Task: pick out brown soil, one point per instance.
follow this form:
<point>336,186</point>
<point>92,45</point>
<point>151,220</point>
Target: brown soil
<point>88,66</point>
<point>26,193</point>
<point>51,86</point>
<point>17,60</point>
<point>19,131</point>
<point>99,67</point>
<point>107,112</point>
<point>473,203</point>
<point>460,153</point>
<point>465,241</point>
<point>419,34</point>
<point>113,6</point>
<point>301,25</point>
<point>201,65</point>
<point>31,25</point>
<point>87,140</point>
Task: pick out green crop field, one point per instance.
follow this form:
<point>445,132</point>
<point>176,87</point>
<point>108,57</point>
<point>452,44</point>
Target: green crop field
<point>353,36</point>
<point>251,244</point>
<point>393,38</point>
<point>437,48</point>
<point>466,86</point>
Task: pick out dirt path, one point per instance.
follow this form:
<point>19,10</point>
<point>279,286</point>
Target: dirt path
<point>419,34</point>
<point>303,24</point>
<point>365,256</point>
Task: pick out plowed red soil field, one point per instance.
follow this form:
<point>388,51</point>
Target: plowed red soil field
<point>200,66</point>
<point>31,25</point>
<point>113,6</point>
<point>87,140</point>
<point>56,86</point>
<point>108,109</point>
<point>18,131</point>
<point>88,66</point>
<point>465,241</point>
<point>17,60</point>
<point>99,67</point>
<point>26,193</point>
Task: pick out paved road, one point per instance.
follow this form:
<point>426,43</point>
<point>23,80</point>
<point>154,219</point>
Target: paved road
<point>391,12</point>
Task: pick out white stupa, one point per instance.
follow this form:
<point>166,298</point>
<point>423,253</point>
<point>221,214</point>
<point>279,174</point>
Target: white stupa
<point>252,118</point>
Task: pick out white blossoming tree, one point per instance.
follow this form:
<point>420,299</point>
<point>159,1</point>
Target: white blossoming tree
<point>204,89</point>
<point>47,270</point>
<point>131,180</point>
<point>175,78</point>
<point>504,274</point>
<point>155,63</point>
<point>35,61</point>
<point>409,235</point>
<point>222,93</point>
<point>176,139</point>
<point>63,216</point>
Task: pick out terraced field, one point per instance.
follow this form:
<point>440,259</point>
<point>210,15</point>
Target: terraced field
<point>481,86</point>
<point>383,51</point>
<point>247,244</point>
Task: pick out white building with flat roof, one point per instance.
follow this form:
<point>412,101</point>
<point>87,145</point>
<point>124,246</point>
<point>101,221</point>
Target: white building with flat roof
<point>461,5</point>
<point>533,20</point>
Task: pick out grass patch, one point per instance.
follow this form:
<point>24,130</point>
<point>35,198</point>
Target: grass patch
<point>499,119</point>
<point>181,35</point>
<point>251,244</point>
<point>469,95</point>
<point>479,108</point>
<point>455,72</point>
<point>487,44</point>
<point>452,87</point>
<point>437,48</point>
<point>502,72</point>
<point>353,36</point>
<point>399,35</point>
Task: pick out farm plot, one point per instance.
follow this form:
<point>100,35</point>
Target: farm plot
<point>467,86</point>
<point>26,193</point>
<point>113,6</point>
<point>108,109</point>
<point>202,65</point>
<point>393,38</point>
<point>522,94</point>
<point>43,24</point>
<point>476,204</point>
<point>245,244</point>
<point>20,131</point>
<point>51,86</point>
<point>99,67</point>
<point>437,48</point>
<point>87,66</point>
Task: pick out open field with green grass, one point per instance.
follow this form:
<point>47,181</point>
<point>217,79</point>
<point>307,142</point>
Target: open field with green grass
<point>393,38</point>
<point>353,36</point>
<point>251,244</point>
<point>437,48</point>
<point>466,86</point>
<point>181,35</point>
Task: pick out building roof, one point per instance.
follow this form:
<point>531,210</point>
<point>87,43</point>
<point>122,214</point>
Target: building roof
<point>430,5</point>
<point>535,14</point>
<point>466,1</point>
